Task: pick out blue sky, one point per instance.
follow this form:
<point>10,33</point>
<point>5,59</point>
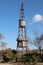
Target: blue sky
<point>9,19</point>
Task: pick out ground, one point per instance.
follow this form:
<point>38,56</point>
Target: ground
<point>5,64</point>
<point>19,64</point>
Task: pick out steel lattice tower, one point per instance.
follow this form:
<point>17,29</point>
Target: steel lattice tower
<point>22,40</point>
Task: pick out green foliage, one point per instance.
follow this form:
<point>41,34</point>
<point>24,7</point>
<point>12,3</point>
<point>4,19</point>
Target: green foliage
<point>8,54</point>
<point>24,58</point>
<point>35,58</point>
<point>32,58</point>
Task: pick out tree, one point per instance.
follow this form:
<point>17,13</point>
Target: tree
<point>38,44</point>
<point>35,58</point>
<point>2,45</point>
<point>1,36</point>
<point>8,55</point>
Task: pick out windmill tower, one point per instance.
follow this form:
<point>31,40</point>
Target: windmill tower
<point>22,41</point>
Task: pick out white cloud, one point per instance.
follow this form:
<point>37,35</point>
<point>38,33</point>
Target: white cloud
<point>37,18</point>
